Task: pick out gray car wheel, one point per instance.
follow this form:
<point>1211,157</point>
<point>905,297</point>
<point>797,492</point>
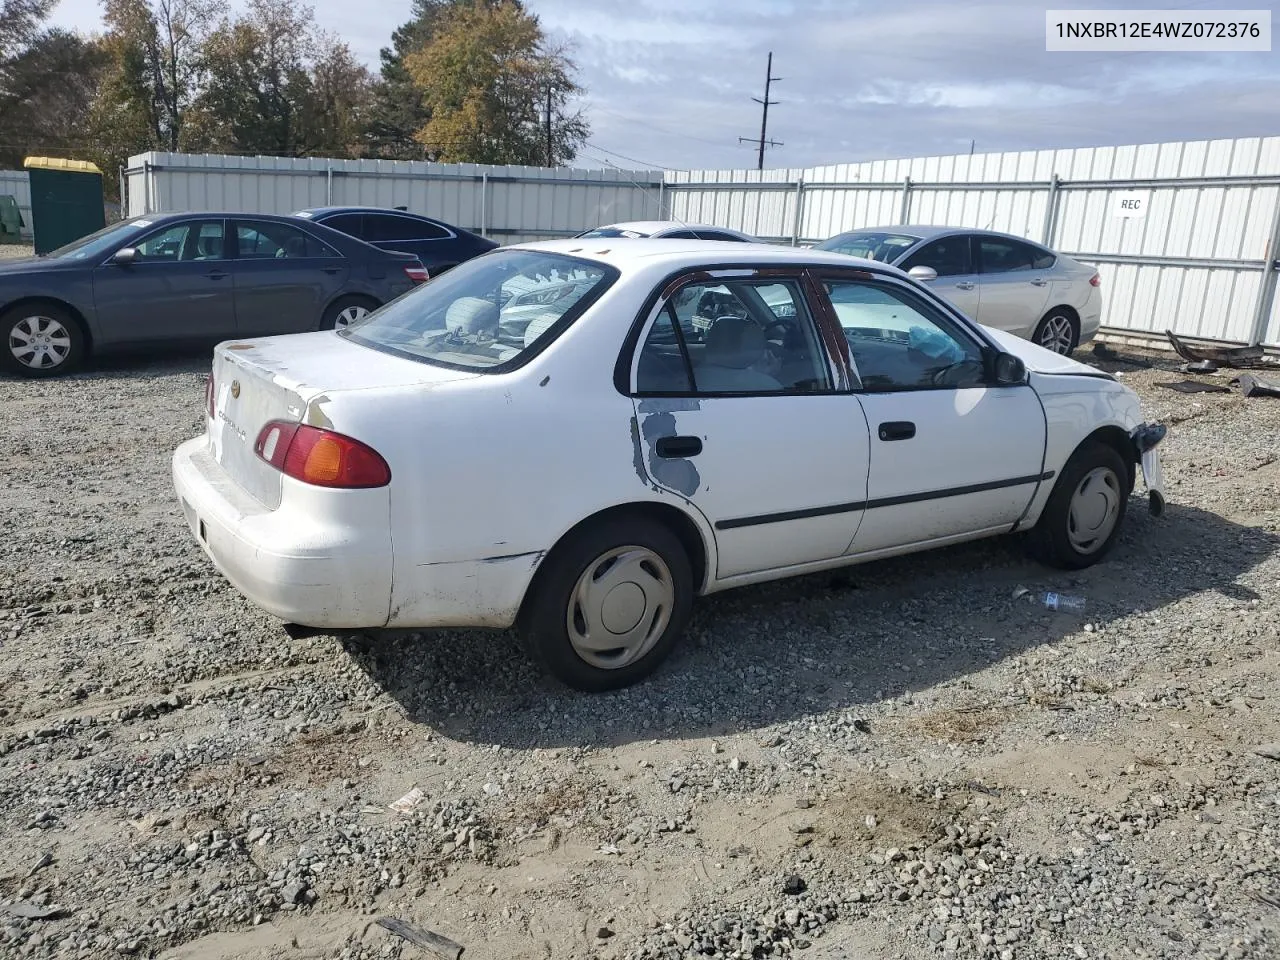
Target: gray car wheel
<point>1057,332</point>
<point>346,311</point>
<point>40,340</point>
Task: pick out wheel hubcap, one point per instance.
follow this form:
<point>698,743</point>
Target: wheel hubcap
<point>1057,335</point>
<point>620,607</point>
<point>349,316</point>
<point>1095,506</point>
<point>40,343</point>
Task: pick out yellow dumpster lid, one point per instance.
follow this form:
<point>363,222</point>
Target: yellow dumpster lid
<point>60,163</point>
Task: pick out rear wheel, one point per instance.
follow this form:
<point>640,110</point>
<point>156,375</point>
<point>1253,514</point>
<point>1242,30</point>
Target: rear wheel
<point>40,340</point>
<point>609,604</point>
<point>345,311</point>
<point>1058,331</point>
<point>1083,515</point>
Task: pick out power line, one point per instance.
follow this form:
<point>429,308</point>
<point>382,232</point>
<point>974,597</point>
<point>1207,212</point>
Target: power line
<point>769,79</point>
<point>623,156</point>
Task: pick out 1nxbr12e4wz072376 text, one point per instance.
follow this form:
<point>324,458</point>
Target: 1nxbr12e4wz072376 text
<point>1158,30</point>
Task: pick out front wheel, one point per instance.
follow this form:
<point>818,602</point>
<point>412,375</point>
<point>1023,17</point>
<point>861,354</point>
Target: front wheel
<point>609,604</point>
<point>1083,515</point>
<point>1057,331</point>
<point>40,340</point>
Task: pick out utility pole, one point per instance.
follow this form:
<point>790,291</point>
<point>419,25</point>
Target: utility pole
<point>550,163</point>
<point>769,79</point>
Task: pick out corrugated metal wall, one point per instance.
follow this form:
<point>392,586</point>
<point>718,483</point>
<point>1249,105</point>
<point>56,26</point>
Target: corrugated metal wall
<point>510,204</point>
<point>1195,263</point>
<point>1200,262</point>
<point>15,183</point>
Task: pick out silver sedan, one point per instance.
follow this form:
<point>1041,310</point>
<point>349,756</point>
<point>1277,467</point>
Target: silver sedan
<point>999,280</point>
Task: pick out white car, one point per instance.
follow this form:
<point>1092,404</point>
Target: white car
<point>666,230</point>
<point>694,417</point>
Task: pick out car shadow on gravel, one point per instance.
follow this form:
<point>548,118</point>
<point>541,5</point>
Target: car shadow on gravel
<point>780,652</point>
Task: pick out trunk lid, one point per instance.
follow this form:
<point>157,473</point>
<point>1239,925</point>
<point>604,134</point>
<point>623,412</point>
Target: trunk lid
<point>289,378</point>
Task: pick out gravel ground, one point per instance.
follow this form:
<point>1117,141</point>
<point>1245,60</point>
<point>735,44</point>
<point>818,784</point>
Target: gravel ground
<point>911,759</point>
<point>11,251</point>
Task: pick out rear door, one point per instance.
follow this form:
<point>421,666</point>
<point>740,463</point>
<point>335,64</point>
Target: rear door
<point>952,258</point>
<point>741,411</point>
<point>951,455</point>
<point>180,287</point>
<point>284,277</point>
<point>1015,279</point>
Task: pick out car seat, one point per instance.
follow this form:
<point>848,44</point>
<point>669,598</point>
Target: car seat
<point>734,345</point>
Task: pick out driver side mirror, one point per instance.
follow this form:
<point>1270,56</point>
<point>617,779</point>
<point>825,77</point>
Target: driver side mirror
<point>1008,370</point>
<point>922,273</point>
<point>125,256</point>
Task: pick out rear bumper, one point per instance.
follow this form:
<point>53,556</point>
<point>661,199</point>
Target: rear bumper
<point>323,559</point>
<point>1091,315</point>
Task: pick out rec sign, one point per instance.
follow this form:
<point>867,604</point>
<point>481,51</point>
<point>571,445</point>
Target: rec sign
<point>1130,204</point>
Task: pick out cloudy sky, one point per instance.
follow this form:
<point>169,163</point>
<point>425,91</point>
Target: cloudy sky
<point>669,82</point>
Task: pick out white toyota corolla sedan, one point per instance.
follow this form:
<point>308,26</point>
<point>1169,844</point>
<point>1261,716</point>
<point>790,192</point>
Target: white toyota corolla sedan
<point>578,437</point>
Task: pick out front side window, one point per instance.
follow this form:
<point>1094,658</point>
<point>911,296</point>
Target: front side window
<point>733,337</point>
<point>949,257</point>
<point>900,343</point>
<point>192,240</point>
<point>870,245</point>
<point>490,312</point>
<point>266,239</point>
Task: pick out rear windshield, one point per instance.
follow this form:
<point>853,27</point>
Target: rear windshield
<point>871,245</point>
<point>490,313</point>
<point>599,232</point>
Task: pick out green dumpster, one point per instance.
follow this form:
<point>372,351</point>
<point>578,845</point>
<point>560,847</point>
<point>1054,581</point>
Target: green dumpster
<point>66,200</point>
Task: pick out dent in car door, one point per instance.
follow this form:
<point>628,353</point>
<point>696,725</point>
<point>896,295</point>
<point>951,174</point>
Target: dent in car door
<point>771,449</point>
<point>180,287</point>
<point>951,456</point>
<point>285,278</point>
<point>957,282</point>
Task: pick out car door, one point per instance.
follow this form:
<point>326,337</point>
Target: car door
<point>285,277</point>
<point>952,258</point>
<point>178,287</point>
<point>747,418</point>
<point>951,454</point>
<point>1015,280</point>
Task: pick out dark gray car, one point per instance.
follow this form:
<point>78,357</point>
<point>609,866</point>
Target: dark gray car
<point>189,277</point>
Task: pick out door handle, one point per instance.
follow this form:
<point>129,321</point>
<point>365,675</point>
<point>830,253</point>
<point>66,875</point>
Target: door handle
<point>897,430</point>
<point>332,270</point>
<point>678,448</point>
<point>1038,282</point>
<point>964,285</point>
<point>216,274</point>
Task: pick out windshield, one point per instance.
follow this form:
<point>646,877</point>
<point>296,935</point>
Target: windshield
<point>99,242</point>
<point>488,312</point>
<point>611,232</point>
<point>885,247</point>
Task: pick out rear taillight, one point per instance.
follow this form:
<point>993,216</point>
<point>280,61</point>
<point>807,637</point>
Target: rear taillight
<point>321,457</point>
<point>417,273</point>
<point>1095,281</point>
<point>208,395</point>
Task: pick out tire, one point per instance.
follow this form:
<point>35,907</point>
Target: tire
<point>345,310</point>
<point>40,340</point>
<point>1058,331</point>
<point>1096,482</point>
<point>653,575</point>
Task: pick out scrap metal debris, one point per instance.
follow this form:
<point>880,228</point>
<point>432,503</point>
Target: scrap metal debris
<point>1253,386</point>
<point>1224,356</point>
<point>408,801</point>
<point>1106,352</point>
<point>437,944</point>
<point>1201,366</point>
<point>1193,386</point>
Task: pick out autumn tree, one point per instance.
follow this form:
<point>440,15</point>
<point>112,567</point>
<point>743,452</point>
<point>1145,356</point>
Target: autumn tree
<point>486,77</point>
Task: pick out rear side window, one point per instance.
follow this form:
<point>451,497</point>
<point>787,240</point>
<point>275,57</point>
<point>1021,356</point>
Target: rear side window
<point>490,313</point>
<point>267,239</point>
<point>349,223</point>
<point>1005,256</point>
<point>388,228</point>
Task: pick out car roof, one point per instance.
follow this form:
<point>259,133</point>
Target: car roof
<point>319,211</point>
<point>653,226</point>
<point>631,253</point>
<point>929,231</point>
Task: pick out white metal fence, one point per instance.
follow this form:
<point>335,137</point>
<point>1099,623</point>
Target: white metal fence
<point>1201,260</point>
<point>15,183</point>
<point>510,204</point>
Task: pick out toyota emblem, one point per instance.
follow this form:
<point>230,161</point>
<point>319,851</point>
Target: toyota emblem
<point>235,388</point>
